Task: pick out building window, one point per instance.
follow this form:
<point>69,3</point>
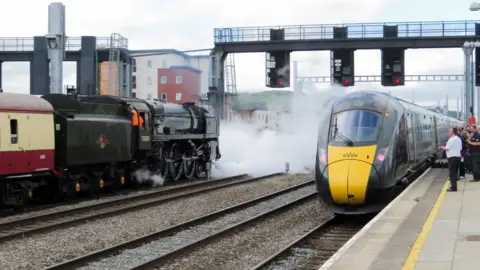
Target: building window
<point>134,95</point>
<point>149,63</point>
<point>163,80</point>
<point>178,80</point>
<point>134,82</point>
<point>178,96</point>
<point>134,65</point>
<point>149,80</point>
<point>164,63</point>
<point>164,96</point>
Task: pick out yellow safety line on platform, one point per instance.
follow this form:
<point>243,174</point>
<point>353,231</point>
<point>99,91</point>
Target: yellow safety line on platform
<point>417,247</point>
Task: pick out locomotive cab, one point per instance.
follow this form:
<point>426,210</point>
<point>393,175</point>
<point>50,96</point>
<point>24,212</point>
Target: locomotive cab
<point>355,152</point>
<point>141,125</point>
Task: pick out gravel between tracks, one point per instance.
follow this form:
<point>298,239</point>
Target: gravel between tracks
<point>42,250</point>
<point>126,193</point>
<point>249,247</point>
<point>130,258</point>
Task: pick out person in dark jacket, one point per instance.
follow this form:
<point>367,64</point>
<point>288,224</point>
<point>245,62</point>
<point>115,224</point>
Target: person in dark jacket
<point>468,157</point>
<point>474,143</point>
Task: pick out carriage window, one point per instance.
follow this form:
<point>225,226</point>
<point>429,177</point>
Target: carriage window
<point>13,131</point>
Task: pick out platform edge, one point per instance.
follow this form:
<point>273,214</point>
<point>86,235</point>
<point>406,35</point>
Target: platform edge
<point>367,227</point>
<point>414,253</point>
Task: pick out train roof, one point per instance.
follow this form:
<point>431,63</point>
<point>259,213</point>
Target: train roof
<point>24,103</point>
<point>406,104</point>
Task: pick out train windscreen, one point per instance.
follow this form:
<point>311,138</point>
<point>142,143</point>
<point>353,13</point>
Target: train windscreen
<point>355,126</point>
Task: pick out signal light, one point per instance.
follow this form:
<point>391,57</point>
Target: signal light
<point>397,81</point>
<point>346,81</point>
<point>280,82</point>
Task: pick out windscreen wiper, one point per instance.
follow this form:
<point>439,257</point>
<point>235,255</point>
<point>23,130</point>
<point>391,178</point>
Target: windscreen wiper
<point>344,138</point>
<point>340,135</point>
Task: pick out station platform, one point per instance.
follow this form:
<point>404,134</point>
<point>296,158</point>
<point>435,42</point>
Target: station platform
<point>425,227</point>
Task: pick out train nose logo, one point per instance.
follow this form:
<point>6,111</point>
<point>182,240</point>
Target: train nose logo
<point>350,155</point>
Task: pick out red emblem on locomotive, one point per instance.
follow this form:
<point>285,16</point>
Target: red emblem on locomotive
<point>103,141</point>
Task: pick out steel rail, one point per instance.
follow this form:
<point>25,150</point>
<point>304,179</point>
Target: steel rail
<point>325,239</point>
<point>49,222</point>
<point>96,255</point>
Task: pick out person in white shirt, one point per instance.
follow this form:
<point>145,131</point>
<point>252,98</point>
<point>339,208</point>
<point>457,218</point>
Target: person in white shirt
<point>453,150</point>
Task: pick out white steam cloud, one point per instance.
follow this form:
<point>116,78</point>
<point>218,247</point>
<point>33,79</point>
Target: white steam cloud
<point>245,150</point>
<point>144,176</point>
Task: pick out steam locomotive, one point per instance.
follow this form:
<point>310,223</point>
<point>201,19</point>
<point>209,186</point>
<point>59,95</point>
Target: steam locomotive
<point>370,144</point>
<point>59,145</point>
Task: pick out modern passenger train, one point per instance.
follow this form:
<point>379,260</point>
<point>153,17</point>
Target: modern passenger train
<point>369,146</point>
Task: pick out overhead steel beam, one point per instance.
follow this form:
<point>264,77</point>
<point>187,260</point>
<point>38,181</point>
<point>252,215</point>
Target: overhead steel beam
<point>378,78</point>
<point>362,36</point>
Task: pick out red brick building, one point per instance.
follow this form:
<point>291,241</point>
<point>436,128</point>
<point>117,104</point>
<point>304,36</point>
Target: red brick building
<point>178,84</point>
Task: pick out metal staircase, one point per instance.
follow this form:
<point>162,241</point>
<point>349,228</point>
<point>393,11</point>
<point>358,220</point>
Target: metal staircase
<point>230,78</point>
<point>114,64</point>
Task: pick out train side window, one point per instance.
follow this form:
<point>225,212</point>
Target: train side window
<point>143,120</point>
<point>13,131</point>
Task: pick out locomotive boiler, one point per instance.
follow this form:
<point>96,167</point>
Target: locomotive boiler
<point>370,144</point>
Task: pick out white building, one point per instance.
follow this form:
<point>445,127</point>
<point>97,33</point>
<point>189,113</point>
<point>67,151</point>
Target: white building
<point>146,62</point>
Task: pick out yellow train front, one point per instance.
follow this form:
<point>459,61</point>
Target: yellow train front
<point>368,145</point>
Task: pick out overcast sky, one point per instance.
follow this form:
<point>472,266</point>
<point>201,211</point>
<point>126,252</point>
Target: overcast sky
<point>188,24</point>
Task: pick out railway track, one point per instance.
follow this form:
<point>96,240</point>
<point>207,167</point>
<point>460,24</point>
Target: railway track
<point>39,205</point>
<point>48,222</point>
<point>312,249</point>
<point>155,249</point>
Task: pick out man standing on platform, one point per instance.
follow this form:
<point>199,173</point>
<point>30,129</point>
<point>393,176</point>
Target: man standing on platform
<point>453,149</point>
<point>474,144</point>
<point>468,158</point>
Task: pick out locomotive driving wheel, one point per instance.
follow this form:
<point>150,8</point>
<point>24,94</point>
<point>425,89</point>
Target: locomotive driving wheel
<point>175,167</point>
<point>189,163</point>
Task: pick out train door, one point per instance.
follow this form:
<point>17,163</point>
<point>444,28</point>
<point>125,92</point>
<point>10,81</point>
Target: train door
<point>411,139</point>
<point>435,135</point>
<point>144,130</point>
<point>18,143</point>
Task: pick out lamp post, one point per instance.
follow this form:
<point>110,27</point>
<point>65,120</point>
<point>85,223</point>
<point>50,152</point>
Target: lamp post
<point>475,7</point>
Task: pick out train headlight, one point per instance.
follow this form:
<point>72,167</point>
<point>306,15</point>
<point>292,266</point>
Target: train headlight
<point>382,154</point>
<point>322,156</point>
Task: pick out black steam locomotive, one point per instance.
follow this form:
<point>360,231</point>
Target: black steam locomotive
<point>91,142</point>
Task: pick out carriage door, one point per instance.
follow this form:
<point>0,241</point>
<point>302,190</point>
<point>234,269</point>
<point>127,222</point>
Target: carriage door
<point>435,134</point>
<point>411,139</point>
<point>145,132</point>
